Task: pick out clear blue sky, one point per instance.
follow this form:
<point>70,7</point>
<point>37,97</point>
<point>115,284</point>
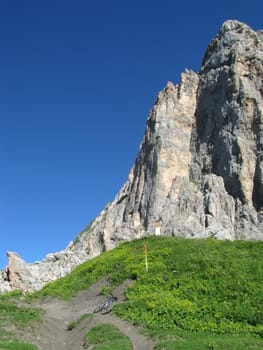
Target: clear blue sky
<point>77,81</point>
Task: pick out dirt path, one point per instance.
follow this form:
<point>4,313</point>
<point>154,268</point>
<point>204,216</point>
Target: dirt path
<point>52,333</point>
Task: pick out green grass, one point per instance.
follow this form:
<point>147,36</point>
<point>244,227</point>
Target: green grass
<point>210,289</point>
<point>107,337</point>
<point>11,314</point>
<point>197,285</point>
<point>14,345</point>
<point>183,340</point>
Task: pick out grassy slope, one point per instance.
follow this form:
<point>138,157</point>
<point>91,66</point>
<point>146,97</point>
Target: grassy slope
<point>199,290</point>
<point>105,337</point>
<point>195,285</point>
<point>13,315</point>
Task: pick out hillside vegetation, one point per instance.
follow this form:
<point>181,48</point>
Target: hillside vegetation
<point>196,285</point>
<point>188,294</point>
<point>13,316</point>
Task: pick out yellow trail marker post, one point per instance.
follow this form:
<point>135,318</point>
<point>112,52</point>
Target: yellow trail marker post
<point>146,260</point>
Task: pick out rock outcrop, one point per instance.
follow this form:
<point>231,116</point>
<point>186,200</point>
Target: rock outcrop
<point>199,171</point>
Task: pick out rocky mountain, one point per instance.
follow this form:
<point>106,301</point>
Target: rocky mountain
<point>199,171</point>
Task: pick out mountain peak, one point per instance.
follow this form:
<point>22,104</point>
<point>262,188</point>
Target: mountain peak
<point>234,25</point>
<point>199,171</point>
<point>234,39</point>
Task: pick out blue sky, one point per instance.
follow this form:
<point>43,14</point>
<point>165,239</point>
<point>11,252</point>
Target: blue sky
<point>77,81</point>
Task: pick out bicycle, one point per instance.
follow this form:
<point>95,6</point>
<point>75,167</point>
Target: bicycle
<point>106,307</point>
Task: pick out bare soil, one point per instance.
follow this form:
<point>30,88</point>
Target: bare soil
<point>52,333</point>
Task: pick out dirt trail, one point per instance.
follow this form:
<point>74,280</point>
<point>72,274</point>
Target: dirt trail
<point>52,333</point>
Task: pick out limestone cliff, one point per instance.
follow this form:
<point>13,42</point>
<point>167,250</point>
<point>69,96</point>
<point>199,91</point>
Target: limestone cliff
<point>199,171</point>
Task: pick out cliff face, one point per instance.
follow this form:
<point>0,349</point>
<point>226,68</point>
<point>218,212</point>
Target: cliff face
<point>228,141</point>
<point>199,171</point>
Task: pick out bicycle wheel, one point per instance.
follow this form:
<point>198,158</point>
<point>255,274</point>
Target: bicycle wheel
<point>98,309</point>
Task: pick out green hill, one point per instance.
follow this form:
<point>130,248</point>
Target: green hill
<point>191,284</point>
<point>204,291</point>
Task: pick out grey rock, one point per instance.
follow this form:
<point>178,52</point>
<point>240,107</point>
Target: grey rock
<point>199,170</point>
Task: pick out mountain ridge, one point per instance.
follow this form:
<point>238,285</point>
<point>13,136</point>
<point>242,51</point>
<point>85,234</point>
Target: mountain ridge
<point>199,170</point>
